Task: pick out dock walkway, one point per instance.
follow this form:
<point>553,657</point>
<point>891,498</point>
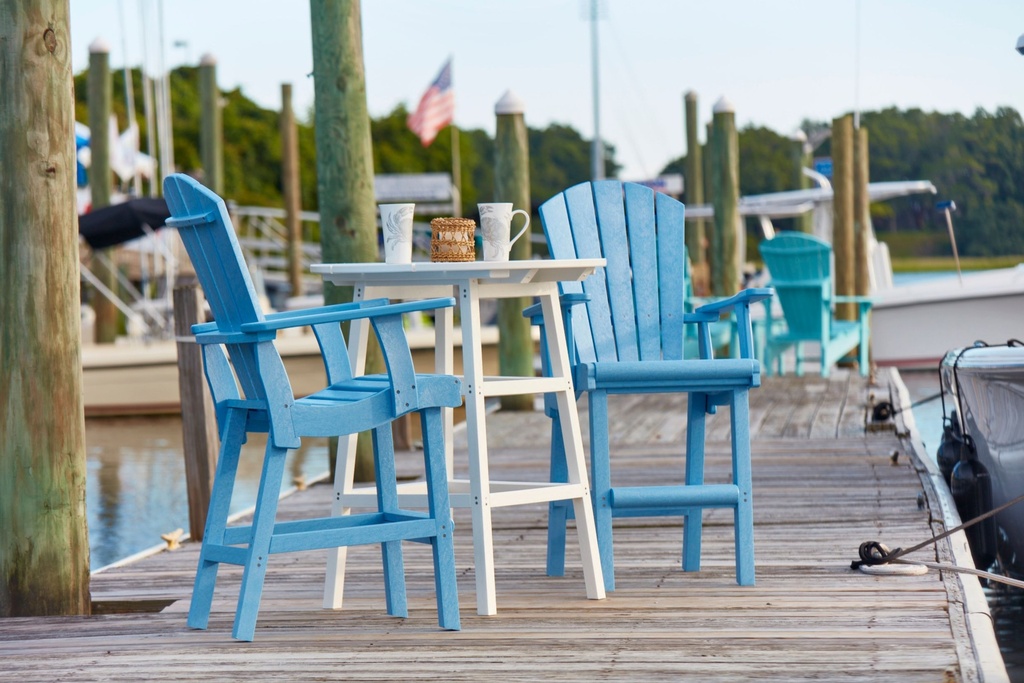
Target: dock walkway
<point>822,485</point>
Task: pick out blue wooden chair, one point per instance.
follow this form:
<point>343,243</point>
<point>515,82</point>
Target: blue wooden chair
<point>629,339</point>
<point>252,394</point>
<point>801,268</point>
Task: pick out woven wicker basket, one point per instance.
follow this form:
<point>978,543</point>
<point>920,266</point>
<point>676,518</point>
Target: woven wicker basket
<point>451,239</point>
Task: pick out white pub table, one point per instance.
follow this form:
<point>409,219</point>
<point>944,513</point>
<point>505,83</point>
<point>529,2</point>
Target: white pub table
<point>469,282</point>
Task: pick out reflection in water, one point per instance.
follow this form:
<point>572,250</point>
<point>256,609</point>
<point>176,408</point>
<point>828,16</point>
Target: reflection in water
<point>1006,602</point>
<point>135,481</point>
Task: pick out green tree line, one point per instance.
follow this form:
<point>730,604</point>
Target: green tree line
<point>559,155</point>
<point>977,161</point>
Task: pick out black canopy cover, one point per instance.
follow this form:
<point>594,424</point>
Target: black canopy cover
<point>119,223</point>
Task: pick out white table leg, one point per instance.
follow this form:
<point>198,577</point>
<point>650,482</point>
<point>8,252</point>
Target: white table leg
<point>476,430</point>
<point>444,364</point>
<point>559,359</point>
<point>345,467</point>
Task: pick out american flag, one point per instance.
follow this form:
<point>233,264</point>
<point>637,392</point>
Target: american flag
<point>436,109</point>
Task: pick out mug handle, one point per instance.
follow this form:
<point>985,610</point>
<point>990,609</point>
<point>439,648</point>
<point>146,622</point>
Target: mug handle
<point>525,227</point>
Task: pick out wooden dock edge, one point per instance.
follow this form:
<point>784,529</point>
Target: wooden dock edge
<point>964,590</point>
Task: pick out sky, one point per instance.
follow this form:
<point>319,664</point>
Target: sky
<point>778,62</point>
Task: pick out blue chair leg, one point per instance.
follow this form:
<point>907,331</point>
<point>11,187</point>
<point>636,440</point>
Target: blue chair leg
<point>258,551</point>
<point>217,518</point>
<point>558,511</point>
<point>696,416</point>
<point>601,483</point>
<point>440,509</point>
<point>387,502</point>
<point>741,469</point>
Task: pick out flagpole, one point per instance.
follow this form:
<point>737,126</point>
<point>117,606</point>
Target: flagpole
<point>456,173</point>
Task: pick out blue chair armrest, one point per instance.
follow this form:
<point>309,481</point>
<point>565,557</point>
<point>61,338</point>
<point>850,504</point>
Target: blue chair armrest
<point>864,303</point>
<point>567,300</point>
<point>200,328</point>
<point>739,304</point>
<point>330,314</point>
<point>743,298</point>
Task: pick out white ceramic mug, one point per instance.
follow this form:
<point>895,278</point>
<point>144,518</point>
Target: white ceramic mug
<point>496,228</point>
<point>396,227</point>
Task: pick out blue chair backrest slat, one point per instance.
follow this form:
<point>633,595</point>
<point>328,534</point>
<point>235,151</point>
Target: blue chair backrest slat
<point>579,200</point>
<point>555,214</point>
<point>646,281</point>
<point>615,245</point>
<point>672,274</point>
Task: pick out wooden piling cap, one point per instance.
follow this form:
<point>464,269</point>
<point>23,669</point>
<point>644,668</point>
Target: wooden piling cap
<point>724,106</point>
<point>509,104</point>
<point>99,46</point>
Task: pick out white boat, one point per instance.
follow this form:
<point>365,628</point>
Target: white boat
<point>914,325</point>
<point>989,385</point>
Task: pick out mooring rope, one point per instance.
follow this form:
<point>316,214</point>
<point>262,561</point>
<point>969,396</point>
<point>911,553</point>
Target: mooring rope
<point>875,553</point>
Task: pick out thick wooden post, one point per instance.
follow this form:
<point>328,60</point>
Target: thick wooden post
<point>712,235</point>
<point>726,183</point>
<point>211,137</point>
<point>861,213</point>
<point>843,243</point>
<point>802,159</point>
<point>292,191</point>
<point>99,92</point>
<point>198,421</point>
<point>44,544</point>
<point>694,187</point>
<point>344,159</point>
<point>512,184</point>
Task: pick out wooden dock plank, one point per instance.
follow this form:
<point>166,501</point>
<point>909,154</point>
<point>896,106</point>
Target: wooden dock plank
<point>820,490</point>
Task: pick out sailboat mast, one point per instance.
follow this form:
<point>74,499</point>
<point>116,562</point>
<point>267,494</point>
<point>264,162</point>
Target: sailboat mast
<point>597,148</point>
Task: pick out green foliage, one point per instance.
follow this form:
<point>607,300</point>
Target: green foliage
<point>977,161</point>
<point>559,155</point>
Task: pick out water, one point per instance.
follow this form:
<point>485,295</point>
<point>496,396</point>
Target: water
<point>1006,602</point>
<point>135,481</point>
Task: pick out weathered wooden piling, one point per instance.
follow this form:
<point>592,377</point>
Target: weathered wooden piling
<point>292,190</point>
<point>801,160</point>
<point>198,421</point>
<point>843,244</point>
<point>710,253</point>
<point>44,545</point>
<point>99,86</point>
<point>861,213</point>
<point>512,184</point>
<point>344,160</point>
<point>725,181</point>
<point>211,137</point>
<point>694,185</point>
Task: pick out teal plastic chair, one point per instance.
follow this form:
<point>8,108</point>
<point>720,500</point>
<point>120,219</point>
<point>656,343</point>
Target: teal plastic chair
<point>629,338</point>
<point>801,268</point>
<point>252,393</point>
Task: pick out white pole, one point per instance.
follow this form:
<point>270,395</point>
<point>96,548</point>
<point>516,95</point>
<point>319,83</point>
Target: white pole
<point>597,148</point>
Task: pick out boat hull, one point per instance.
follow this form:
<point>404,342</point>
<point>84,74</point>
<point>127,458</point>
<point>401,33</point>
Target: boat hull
<point>143,379</point>
<point>989,385</point>
<point>913,326</point>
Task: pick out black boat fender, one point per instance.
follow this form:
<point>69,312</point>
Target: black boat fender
<point>971,487</point>
<point>948,453</point>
